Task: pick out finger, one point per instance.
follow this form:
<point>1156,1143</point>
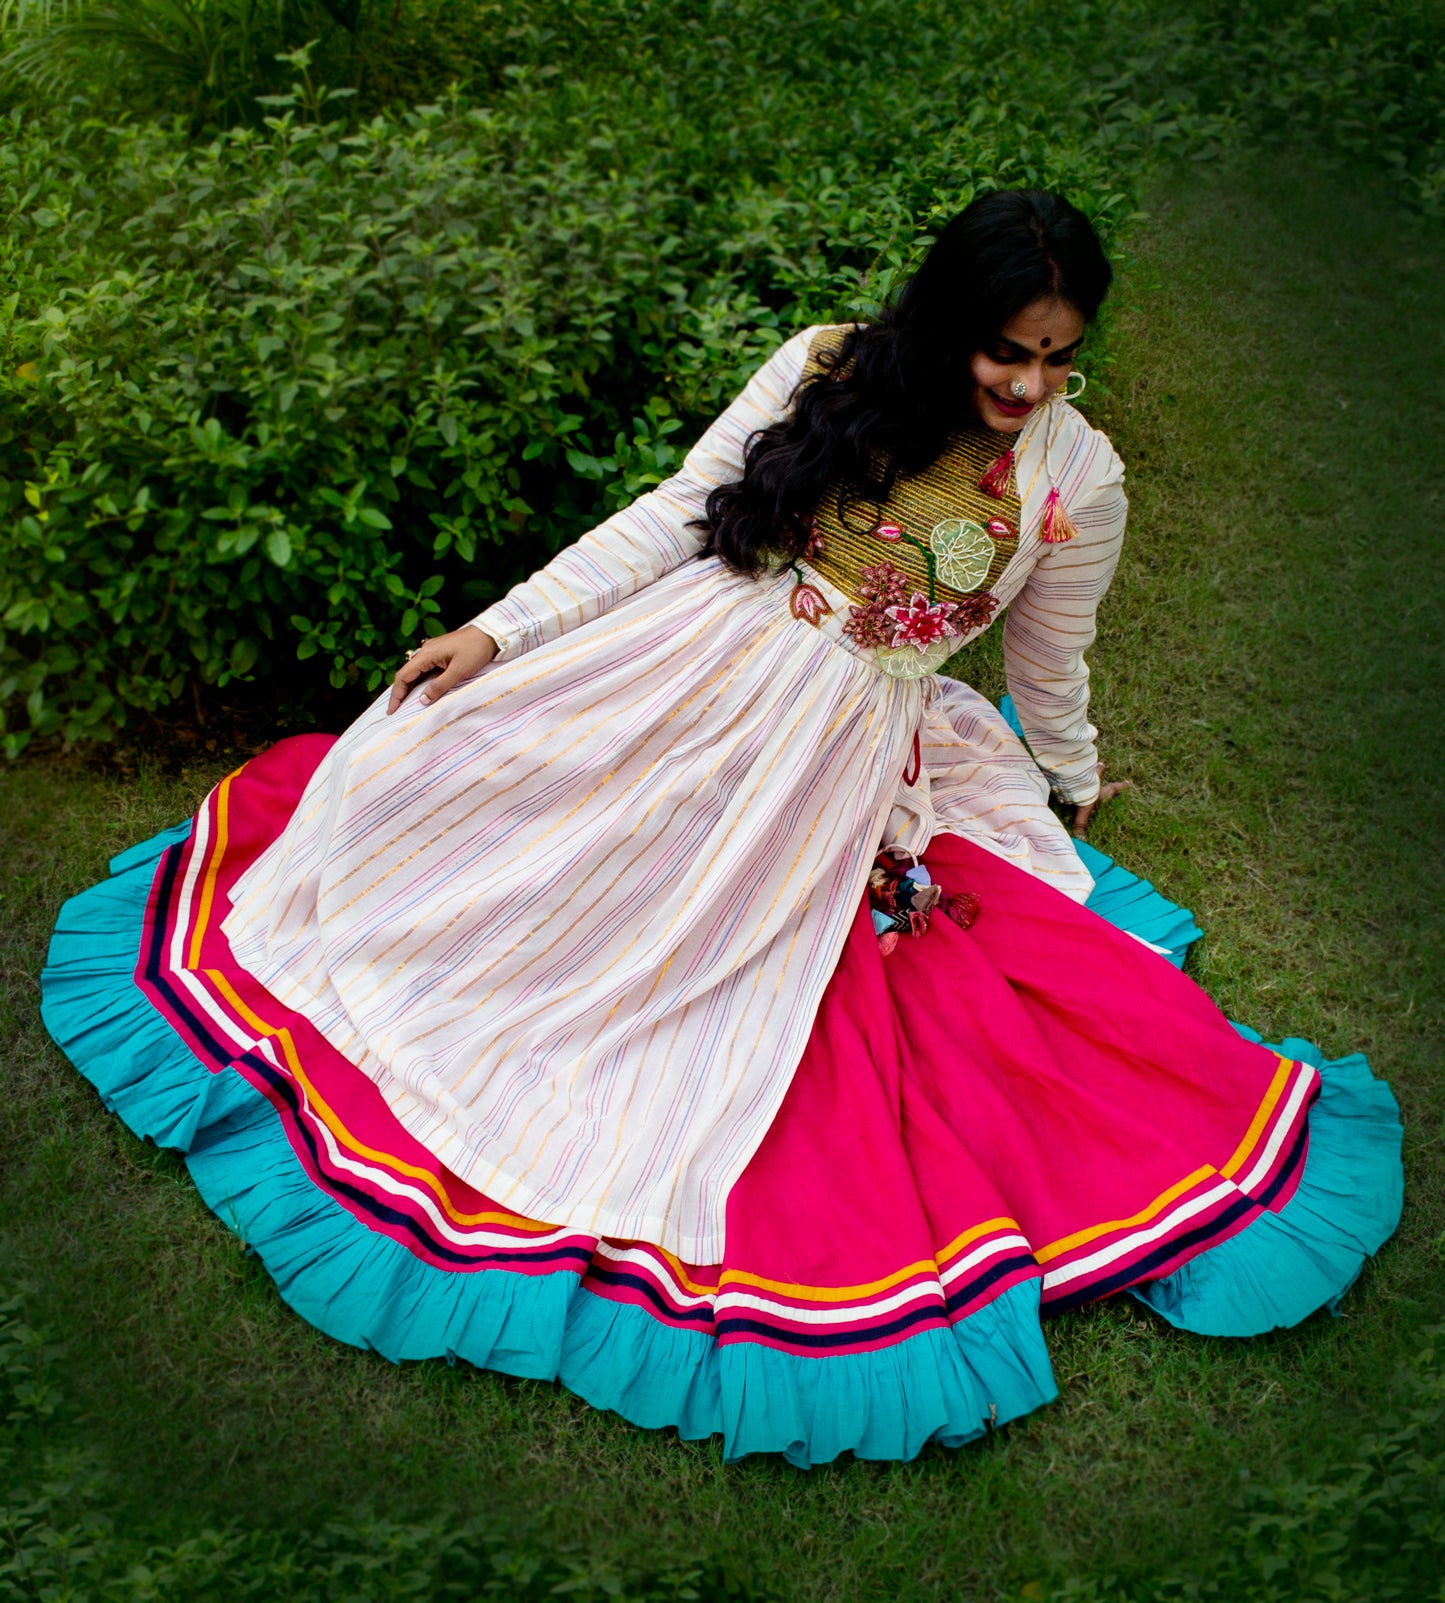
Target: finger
<point>416,667</point>
<point>438,687</point>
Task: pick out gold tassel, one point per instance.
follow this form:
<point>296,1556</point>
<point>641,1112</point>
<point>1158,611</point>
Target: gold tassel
<point>1057,526</point>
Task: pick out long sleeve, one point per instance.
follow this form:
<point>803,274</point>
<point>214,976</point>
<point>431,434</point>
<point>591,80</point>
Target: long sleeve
<point>1049,626</point>
<point>652,535</point>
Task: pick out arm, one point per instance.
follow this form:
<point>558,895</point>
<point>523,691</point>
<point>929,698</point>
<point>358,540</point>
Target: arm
<point>650,537</point>
<point>1048,627</point>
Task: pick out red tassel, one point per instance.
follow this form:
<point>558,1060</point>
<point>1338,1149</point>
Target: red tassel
<point>995,476</point>
<point>963,908</point>
<point>1057,525</point>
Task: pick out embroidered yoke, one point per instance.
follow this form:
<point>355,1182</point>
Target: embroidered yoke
<point>951,540</point>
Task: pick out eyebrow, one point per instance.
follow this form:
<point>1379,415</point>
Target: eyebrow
<point>1057,350</point>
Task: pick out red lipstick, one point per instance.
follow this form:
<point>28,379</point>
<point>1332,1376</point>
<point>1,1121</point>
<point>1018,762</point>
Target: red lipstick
<point>1011,408</point>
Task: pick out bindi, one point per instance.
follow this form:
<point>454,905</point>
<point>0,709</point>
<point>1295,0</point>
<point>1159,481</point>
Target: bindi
<point>1045,342</point>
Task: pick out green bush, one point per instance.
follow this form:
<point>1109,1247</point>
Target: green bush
<point>269,396</point>
<point>275,402</point>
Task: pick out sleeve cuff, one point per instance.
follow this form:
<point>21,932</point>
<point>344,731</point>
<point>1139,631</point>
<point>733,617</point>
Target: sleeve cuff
<point>494,622</point>
<point>1076,792</point>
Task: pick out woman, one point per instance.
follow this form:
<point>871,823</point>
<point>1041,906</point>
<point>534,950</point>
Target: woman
<point>674,986</point>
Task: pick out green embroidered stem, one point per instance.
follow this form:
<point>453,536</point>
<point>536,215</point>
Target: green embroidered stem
<point>929,559</point>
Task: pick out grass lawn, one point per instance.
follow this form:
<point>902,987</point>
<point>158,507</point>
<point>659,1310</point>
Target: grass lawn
<point>1265,675</point>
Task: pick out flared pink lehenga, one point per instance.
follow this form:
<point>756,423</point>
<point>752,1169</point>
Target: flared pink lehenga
<point>832,1230</point>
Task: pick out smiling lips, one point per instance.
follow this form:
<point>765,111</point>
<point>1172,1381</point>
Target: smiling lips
<point>1011,408</point>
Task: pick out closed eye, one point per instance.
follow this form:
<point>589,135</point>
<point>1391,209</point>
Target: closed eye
<point>1006,354</point>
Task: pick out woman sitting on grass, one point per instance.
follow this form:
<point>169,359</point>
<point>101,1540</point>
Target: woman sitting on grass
<point>677,987</point>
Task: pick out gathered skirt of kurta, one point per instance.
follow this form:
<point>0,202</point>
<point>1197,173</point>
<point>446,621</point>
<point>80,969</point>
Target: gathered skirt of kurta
<point>575,918</point>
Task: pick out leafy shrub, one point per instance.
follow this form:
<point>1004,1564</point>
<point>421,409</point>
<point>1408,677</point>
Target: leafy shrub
<point>274,402</point>
<point>270,395</point>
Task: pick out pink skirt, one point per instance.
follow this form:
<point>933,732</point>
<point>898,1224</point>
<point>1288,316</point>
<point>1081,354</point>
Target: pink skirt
<point>987,1124</point>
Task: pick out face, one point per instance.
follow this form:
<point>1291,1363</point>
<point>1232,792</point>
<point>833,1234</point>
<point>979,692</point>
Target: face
<point>1036,349</point>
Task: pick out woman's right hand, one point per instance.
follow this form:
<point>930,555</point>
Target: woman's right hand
<point>452,657</point>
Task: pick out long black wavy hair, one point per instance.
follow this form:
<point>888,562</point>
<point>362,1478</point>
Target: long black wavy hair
<point>886,400</point>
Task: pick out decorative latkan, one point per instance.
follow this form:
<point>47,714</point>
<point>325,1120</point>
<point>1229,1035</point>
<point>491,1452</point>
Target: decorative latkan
<point>901,899</point>
<point>996,475</point>
<point>1056,525</point>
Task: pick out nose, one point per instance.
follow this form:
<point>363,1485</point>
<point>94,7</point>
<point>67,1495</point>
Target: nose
<point>1033,380</point>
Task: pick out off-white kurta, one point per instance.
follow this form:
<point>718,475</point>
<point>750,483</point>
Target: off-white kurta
<point>575,917</point>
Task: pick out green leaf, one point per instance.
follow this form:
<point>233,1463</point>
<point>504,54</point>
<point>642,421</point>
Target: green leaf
<point>244,654</point>
<point>278,547</point>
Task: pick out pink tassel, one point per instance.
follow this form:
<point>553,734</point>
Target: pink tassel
<point>996,475</point>
<point>1057,526</point>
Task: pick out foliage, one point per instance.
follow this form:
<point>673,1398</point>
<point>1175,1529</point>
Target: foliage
<point>57,1543</point>
<point>1366,81</point>
<point>270,394</point>
<point>213,60</point>
<point>1367,1526</point>
<point>269,397</point>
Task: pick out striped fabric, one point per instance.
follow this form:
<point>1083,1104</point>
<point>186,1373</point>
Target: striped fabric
<point>914,1275</point>
<point>575,918</point>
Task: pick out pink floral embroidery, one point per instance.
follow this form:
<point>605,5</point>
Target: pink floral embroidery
<point>890,532</point>
<point>974,611</point>
<point>922,622</point>
<point>814,545</point>
<point>885,584</point>
<point>1002,529</point>
<point>808,603</point>
<point>867,626</point>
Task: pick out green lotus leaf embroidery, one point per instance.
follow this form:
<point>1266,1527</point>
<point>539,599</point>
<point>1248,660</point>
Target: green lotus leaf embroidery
<point>962,551</point>
<point>914,662</point>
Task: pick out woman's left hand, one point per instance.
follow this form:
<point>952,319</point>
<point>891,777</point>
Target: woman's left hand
<point>1084,814</point>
